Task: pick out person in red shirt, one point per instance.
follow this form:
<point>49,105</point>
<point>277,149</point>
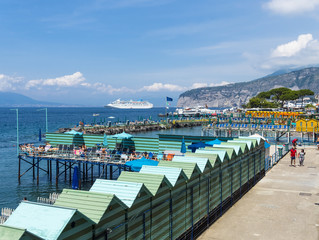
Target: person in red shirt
<point>294,142</point>
<point>293,153</point>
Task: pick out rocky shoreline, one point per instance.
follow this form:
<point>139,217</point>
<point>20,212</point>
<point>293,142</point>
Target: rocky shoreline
<point>133,127</point>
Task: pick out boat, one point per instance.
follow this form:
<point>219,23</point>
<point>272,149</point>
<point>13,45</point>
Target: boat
<point>96,114</point>
<point>196,112</point>
<point>123,104</point>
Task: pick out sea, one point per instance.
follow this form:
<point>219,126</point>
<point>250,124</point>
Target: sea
<point>33,120</point>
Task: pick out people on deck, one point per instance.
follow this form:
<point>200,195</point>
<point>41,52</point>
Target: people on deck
<point>293,153</point>
<point>47,147</point>
<point>301,157</point>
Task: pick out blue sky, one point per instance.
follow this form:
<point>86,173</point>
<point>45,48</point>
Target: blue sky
<point>93,52</point>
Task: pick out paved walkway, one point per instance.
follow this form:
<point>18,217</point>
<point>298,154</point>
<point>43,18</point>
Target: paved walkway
<point>283,205</point>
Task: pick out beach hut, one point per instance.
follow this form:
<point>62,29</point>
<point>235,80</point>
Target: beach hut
<point>248,143</point>
<point>51,222</point>
<point>206,169</point>
<point>225,171</point>
<point>14,233</point>
<point>253,141</point>
<point>193,173</point>
<point>157,220</point>
<point>243,146</point>
<point>135,196</point>
<point>178,179</point>
<point>301,125</point>
<point>312,125</point>
<point>105,210</point>
<point>236,148</point>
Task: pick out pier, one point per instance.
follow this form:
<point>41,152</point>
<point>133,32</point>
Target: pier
<point>57,165</point>
<point>283,205</point>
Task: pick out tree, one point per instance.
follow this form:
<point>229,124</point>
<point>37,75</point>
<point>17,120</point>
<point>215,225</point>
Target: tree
<point>287,96</point>
<point>278,92</point>
<point>304,92</point>
<point>265,95</point>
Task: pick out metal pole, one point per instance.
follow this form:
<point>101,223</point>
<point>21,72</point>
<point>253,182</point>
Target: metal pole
<point>46,117</point>
<point>17,112</point>
<point>46,120</point>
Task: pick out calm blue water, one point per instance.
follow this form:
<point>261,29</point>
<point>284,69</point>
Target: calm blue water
<point>30,120</point>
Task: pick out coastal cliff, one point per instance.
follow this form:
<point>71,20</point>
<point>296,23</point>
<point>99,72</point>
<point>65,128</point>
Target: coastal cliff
<point>236,94</point>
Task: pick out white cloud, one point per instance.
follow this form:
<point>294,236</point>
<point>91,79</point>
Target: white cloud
<point>75,79</point>
<point>292,6</point>
<point>8,83</point>
<point>155,87</point>
<point>302,52</point>
<point>102,87</point>
<point>292,48</point>
<point>200,85</point>
<point>67,80</point>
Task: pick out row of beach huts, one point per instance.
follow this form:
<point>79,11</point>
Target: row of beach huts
<point>177,199</point>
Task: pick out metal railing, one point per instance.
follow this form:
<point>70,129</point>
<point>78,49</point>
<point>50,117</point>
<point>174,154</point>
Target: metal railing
<point>50,200</point>
<point>5,214</point>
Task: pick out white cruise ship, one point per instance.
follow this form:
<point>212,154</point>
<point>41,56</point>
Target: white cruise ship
<point>122,104</point>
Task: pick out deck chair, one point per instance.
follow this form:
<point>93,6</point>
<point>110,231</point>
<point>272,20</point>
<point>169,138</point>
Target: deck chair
<point>93,152</point>
<point>65,150</point>
<point>60,149</point>
<point>160,156</point>
<point>71,150</point>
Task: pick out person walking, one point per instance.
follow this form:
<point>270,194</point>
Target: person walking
<point>294,142</point>
<point>293,153</point>
<point>318,142</point>
<point>301,157</point>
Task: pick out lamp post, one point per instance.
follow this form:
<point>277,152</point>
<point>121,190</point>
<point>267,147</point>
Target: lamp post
<point>17,111</point>
<point>46,118</point>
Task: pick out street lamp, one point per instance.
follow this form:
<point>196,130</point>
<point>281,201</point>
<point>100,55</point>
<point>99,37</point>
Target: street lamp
<point>46,117</point>
<point>17,111</point>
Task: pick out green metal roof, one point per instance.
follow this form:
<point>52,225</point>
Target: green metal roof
<point>223,154</point>
<point>13,233</point>
<point>127,192</point>
<point>229,151</point>
<point>171,173</point>
<point>254,140</point>
<point>188,168</point>
<point>91,204</point>
<point>43,220</point>
<point>243,146</point>
<point>213,158</point>
<point>153,182</point>
<point>249,143</point>
<point>236,148</point>
<point>254,137</point>
<point>203,163</point>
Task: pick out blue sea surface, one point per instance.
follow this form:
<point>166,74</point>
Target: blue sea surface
<point>30,121</point>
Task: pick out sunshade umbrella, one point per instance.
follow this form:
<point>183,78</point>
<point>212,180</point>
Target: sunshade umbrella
<point>105,140</point>
<point>122,135</point>
<point>136,165</point>
<point>183,147</point>
<point>40,135</point>
<point>75,180</point>
<point>211,143</point>
<point>195,146</point>
<point>74,132</point>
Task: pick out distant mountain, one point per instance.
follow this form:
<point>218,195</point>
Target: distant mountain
<point>236,94</point>
<point>9,99</point>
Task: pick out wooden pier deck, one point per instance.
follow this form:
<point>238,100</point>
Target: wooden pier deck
<point>56,164</point>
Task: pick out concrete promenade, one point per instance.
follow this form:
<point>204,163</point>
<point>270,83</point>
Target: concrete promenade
<point>283,205</point>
